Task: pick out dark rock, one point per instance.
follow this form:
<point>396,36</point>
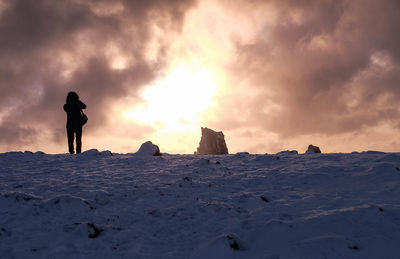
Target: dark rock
<point>95,229</point>
<point>313,149</point>
<point>232,243</point>
<point>212,143</point>
<point>354,247</point>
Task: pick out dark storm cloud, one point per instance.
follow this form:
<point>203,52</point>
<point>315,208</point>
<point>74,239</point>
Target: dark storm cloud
<point>48,48</point>
<point>323,67</point>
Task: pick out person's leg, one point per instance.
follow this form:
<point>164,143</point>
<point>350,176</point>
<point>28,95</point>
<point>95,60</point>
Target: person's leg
<point>70,134</point>
<point>78,134</point>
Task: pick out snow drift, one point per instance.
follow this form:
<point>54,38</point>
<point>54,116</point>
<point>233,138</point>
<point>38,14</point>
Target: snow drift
<point>104,205</point>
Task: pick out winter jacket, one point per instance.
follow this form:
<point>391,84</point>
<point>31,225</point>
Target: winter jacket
<point>73,110</point>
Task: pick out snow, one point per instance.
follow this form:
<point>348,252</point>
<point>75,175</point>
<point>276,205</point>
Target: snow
<point>148,149</point>
<point>104,205</point>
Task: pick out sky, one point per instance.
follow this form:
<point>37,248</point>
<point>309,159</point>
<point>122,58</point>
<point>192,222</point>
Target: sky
<point>271,74</point>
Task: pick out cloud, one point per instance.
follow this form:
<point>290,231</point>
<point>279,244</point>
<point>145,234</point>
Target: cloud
<point>292,70</point>
<point>97,48</point>
<point>317,67</point>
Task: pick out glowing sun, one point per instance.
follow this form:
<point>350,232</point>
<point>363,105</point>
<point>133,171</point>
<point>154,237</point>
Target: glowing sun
<point>178,100</point>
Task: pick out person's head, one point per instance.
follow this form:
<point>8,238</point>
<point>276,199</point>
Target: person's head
<point>72,97</point>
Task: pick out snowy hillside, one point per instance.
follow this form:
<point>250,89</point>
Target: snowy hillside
<point>103,205</point>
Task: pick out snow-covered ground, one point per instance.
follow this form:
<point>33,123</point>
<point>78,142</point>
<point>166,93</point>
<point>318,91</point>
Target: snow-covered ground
<point>103,205</point>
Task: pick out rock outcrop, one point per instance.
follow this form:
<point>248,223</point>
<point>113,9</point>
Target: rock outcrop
<point>212,143</point>
<point>313,149</point>
<point>148,149</point>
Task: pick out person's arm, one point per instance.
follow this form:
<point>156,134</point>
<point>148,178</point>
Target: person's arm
<point>65,107</point>
<point>83,106</point>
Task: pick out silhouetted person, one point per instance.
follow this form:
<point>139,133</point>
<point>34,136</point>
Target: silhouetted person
<point>73,109</point>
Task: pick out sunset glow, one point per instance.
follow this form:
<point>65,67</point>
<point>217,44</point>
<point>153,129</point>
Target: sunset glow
<point>272,75</point>
<point>178,100</point>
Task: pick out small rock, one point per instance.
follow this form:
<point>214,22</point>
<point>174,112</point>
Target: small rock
<point>148,149</point>
<point>354,247</point>
<point>313,149</point>
<point>232,243</point>
<point>95,229</point>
